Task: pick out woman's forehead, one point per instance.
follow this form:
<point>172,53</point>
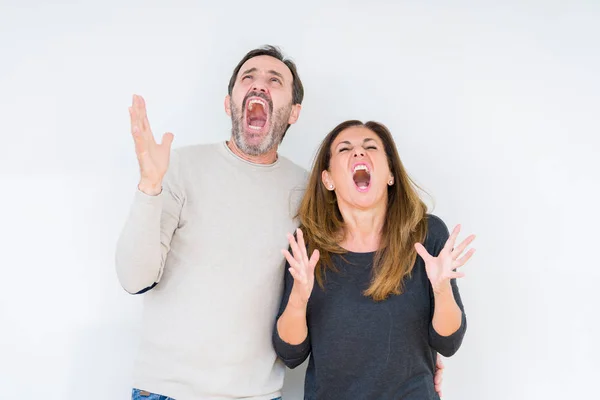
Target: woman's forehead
<point>356,135</point>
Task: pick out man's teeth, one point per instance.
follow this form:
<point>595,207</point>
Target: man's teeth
<point>254,127</point>
<point>255,101</point>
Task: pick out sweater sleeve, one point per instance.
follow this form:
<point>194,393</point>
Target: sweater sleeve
<point>145,240</point>
<point>445,345</point>
<point>291,355</point>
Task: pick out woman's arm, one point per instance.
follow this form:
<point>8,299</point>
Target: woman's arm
<point>291,325</point>
<point>448,324</point>
<point>290,336</point>
<point>447,315</point>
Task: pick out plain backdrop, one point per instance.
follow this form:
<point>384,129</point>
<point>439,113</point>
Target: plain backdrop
<point>495,107</point>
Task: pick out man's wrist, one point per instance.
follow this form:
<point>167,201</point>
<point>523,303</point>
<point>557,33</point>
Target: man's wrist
<point>150,188</point>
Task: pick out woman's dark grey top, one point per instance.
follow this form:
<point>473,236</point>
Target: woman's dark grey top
<point>362,349</point>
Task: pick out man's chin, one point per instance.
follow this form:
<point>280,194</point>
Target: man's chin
<point>254,145</point>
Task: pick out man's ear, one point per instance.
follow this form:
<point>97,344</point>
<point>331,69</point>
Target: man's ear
<point>228,105</point>
<point>295,113</point>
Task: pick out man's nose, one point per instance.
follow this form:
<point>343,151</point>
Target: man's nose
<point>259,86</point>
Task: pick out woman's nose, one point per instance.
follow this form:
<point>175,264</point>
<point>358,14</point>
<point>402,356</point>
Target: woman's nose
<point>359,152</point>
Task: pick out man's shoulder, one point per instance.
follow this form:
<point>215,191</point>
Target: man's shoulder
<point>294,170</point>
<point>195,150</point>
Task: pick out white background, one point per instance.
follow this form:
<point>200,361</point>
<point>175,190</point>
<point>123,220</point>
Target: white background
<point>494,106</point>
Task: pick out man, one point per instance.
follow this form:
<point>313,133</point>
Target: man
<point>203,243</point>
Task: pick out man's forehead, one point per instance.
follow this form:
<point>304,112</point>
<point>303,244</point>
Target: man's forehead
<point>266,64</point>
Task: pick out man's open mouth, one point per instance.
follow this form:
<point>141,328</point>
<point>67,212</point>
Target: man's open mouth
<point>256,113</point>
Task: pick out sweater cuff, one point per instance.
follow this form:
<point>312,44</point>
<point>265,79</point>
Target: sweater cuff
<point>290,352</point>
<point>143,198</point>
<point>448,345</point>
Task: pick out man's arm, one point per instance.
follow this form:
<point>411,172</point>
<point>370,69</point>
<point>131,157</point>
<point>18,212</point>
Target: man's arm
<point>146,237</point>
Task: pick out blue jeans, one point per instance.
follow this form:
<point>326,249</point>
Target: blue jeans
<point>137,394</point>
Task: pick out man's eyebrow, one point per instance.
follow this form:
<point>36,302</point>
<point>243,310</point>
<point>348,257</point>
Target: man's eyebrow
<point>272,72</point>
<point>276,74</point>
<point>249,71</point>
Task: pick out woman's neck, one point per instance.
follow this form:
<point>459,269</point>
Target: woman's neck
<point>362,230</point>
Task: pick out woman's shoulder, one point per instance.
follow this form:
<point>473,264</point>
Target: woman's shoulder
<point>437,231</point>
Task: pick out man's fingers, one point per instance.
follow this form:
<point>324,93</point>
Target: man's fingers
<point>141,150</point>
<point>139,108</point>
<point>167,139</point>
<point>438,375</point>
<point>439,364</point>
<point>137,122</point>
<point>142,113</point>
<point>135,129</point>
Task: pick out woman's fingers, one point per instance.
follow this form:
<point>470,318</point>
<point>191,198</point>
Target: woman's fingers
<point>297,276</point>
<point>290,259</point>
<point>461,247</point>
<point>295,248</point>
<point>457,275</point>
<point>452,239</point>
<point>303,267</point>
<point>463,260</point>
<point>422,251</point>
<point>314,259</point>
<point>302,246</point>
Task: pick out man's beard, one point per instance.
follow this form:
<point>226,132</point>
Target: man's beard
<point>278,120</point>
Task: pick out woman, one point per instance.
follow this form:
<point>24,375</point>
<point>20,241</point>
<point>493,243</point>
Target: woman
<point>378,315</point>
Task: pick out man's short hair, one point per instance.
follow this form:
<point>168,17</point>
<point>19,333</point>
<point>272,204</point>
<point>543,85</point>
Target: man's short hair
<point>275,52</point>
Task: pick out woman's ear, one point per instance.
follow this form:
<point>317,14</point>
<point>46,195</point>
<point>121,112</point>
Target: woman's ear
<point>327,181</point>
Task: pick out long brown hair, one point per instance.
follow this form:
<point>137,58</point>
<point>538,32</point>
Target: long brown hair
<point>405,222</point>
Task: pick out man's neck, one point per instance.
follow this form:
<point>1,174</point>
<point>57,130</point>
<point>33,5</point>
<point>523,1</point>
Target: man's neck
<point>266,159</point>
